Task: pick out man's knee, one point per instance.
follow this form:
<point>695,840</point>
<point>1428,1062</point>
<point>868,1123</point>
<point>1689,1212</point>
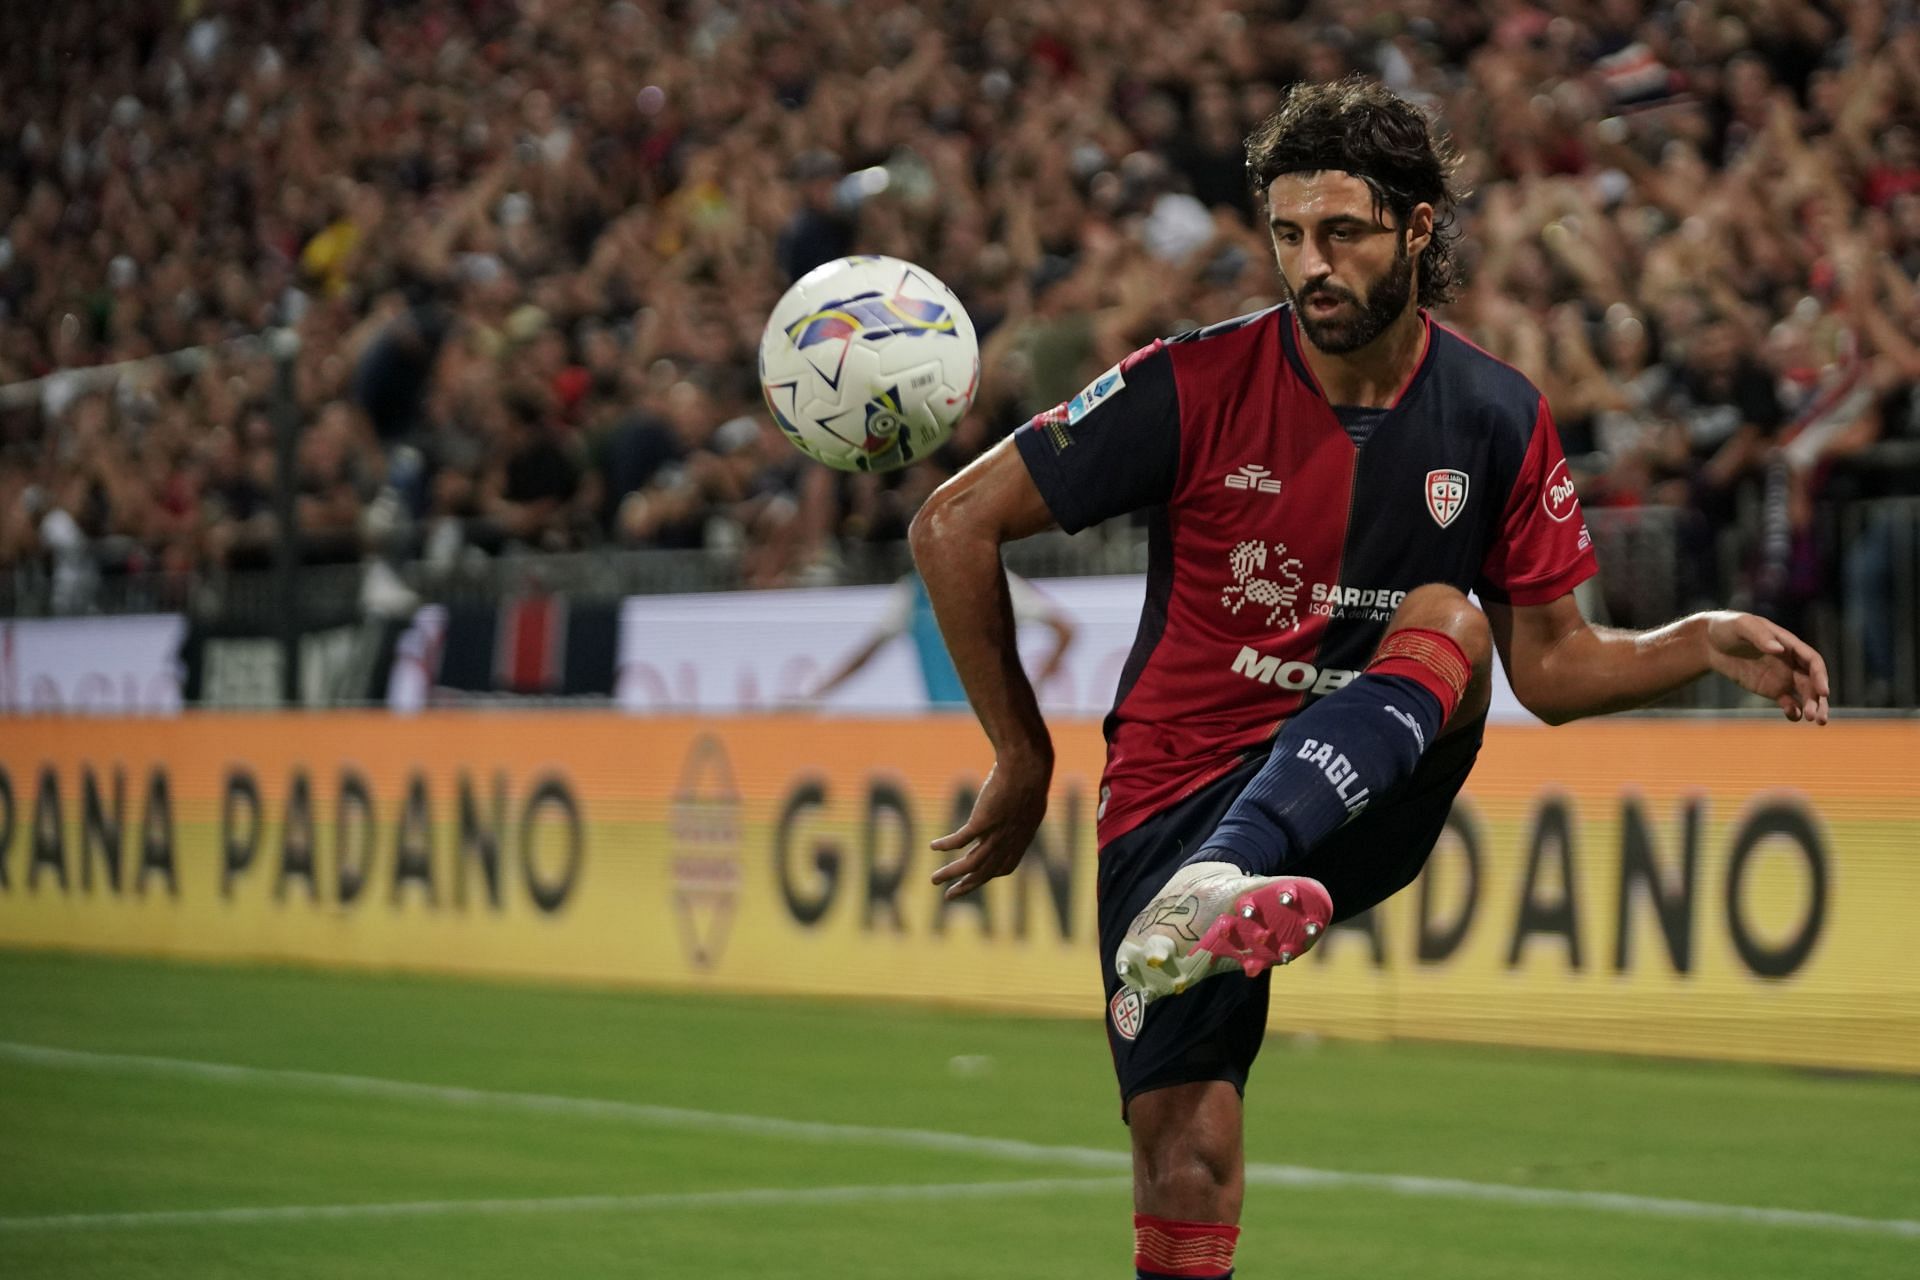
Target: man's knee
<point>1187,1153</point>
<point>1439,607</point>
<point>1185,1169</point>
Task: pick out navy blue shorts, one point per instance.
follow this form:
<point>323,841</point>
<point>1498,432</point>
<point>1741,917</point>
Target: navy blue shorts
<point>1213,1032</point>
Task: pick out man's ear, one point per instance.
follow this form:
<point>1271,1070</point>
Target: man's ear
<point>1419,228</point>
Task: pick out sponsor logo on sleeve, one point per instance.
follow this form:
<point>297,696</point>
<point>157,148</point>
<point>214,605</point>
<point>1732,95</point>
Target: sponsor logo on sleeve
<point>1557,498</point>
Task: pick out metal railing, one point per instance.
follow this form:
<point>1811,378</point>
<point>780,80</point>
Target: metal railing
<point>1876,653</point>
<point>237,598</point>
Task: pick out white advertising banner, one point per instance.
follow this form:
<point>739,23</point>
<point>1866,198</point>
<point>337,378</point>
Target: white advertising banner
<point>734,651</point>
<point>92,666</point>
<point>745,651</point>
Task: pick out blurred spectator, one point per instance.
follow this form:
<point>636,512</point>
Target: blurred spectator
<point>1728,410</point>
<point>818,231</point>
<point>1619,393</point>
<point>535,479</point>
<point>528,248</point>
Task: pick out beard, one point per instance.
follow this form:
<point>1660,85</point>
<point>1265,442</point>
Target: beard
<point>1368,319</point>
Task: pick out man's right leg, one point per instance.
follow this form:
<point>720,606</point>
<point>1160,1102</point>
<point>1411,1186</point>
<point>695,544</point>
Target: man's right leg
<point>1188,1180</point>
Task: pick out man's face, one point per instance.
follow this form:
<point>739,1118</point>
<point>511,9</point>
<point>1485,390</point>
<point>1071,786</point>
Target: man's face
<point>1349,274</point>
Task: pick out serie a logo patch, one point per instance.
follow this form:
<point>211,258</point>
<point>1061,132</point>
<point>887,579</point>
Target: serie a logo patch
<point>1094,392</point>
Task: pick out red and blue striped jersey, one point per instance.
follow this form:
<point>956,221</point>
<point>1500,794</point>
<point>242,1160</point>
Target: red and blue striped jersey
<point>1278,548</point>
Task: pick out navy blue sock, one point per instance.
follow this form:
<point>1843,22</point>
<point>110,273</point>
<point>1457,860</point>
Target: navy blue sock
<point>1329,762</point>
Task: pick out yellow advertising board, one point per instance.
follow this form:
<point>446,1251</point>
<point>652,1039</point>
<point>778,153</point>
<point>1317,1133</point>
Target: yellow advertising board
<point>1738,890</point>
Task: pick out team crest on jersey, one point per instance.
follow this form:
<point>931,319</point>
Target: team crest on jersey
<point>1446,494</point>
<point>1127,1010</point>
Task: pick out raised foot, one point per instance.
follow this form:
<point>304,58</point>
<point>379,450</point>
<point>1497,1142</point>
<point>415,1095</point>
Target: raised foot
<point>1211,919</point>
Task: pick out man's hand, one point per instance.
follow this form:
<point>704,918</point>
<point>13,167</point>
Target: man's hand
<point>1771,661</point>
<point>1562,668</point>
<point>1001,826</point>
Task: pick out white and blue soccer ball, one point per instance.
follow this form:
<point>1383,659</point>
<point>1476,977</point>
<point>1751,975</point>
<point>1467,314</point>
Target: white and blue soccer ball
<point>869,363</point>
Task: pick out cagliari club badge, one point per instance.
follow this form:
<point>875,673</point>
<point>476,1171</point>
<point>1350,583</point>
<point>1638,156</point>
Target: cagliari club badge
<point>1446,494</point>
<point>1127,1010</point>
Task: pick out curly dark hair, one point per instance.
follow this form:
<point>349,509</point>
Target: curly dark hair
<point>1364,128</point>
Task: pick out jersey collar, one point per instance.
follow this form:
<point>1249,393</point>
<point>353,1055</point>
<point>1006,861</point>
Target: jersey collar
<point>1291,338</point>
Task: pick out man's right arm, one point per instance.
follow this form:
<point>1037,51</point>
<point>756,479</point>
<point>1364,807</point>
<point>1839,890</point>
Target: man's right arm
<point>1113,448</point>
<point>956,540</point>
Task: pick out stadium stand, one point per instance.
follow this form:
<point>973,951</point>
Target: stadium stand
<point>527,249</point>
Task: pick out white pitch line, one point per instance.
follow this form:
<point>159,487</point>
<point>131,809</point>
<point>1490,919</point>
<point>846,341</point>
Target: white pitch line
<point>1273,1175</point>
<point>755,1197</point>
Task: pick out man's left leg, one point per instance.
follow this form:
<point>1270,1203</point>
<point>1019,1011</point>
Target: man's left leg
<point>1231,907</point>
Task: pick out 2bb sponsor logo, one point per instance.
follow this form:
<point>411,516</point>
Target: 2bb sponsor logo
<point>1558,498</point>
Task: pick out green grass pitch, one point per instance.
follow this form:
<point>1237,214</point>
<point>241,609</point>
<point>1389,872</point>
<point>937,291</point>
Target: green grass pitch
<point>635,1185</point>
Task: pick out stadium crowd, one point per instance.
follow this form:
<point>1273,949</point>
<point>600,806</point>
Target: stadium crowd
<point>528,249</point>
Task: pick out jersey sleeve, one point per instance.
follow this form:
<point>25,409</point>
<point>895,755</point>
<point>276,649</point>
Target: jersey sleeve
<point>1542,549</point>
<point>1113,448</point>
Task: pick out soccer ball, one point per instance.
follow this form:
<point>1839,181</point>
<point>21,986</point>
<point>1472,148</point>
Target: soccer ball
<point>868,363</point>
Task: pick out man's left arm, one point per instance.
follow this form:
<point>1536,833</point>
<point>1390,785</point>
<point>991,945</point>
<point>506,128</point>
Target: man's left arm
<point>1563,668</point>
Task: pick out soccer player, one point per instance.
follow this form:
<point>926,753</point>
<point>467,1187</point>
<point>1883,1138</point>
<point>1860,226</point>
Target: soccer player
<point>1325,482</point>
